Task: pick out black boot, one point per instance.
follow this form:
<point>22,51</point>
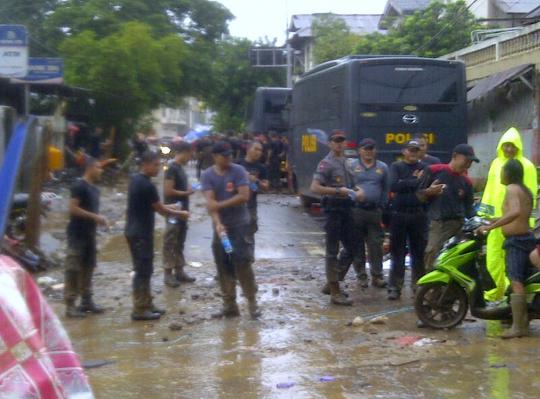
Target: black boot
<point>183,277</point>
<point>72,311</point>
<point>88,305</point>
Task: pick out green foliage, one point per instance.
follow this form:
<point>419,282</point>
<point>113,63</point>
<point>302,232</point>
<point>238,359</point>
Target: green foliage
<point>333,39</point>
<point>130,72</point>
<point>234,83</point>
<point>439,29</point>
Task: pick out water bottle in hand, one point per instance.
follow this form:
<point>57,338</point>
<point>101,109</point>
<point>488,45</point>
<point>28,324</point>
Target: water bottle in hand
<point>196,186</point>
<point>352,195</point>
<point>227,246</point>
<point>253,186</point>
<point>174,219</point>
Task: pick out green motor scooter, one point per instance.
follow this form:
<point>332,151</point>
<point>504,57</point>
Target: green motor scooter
<point>459,280</point>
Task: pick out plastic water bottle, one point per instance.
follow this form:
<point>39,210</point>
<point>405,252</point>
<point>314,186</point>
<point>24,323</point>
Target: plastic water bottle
<point>352,195</point>
<point>174,219</point>
<point>227,246</point>
<point>254,187</point>
<point>196,186</point>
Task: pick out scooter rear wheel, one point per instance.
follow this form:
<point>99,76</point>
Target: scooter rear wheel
<point>441,305</point>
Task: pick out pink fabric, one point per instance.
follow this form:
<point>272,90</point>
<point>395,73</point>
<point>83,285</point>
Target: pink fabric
<point>36,356</point>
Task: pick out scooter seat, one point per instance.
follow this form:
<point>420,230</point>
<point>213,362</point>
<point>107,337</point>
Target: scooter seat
<point>534,279</point>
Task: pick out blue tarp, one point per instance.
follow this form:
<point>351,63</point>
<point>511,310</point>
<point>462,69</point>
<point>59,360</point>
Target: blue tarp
<point>9,171</point>
<point>197,133</point>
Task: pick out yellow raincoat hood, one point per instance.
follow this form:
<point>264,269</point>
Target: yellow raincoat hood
<point>494,192</point>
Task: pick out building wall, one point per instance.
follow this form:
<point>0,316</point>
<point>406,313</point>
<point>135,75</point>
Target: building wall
<point>491,116</point>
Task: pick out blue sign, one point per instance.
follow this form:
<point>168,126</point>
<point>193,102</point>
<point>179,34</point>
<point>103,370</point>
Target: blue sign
<point>13,36</point>
<point>13,51</point>
<point>43,71</point>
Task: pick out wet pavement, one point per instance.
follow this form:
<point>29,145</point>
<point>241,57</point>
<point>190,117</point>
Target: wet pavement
<point>302,347</point>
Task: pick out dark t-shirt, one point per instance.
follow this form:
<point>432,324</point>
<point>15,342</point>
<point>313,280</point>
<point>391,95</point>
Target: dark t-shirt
<point>456,201</point>
<point>177,173</point>
<point>404,185</point>
<point>258,170</point>
<point>430,160</point>
<point>88,196</point>
<point>224,188</point>
<point>142,194</point>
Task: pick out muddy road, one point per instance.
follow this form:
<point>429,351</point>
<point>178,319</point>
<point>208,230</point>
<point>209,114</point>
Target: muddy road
<point>302,347</point>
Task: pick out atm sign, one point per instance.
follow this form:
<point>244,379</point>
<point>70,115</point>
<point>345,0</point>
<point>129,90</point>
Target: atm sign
<point>402,138</point>
<point>309,143</point>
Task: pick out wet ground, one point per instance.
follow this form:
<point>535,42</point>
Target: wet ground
<point>302,347</point>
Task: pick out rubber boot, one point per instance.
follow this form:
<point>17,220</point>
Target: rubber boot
<point>228,289</point>
<point>378,282</point>
<point>169,279</point>
<point>326,290</point>
<point>246,278</point>
<point>182,276</point>
<point>150,303</point>
<point>85,281</point>
<point>254,310</point>
<point>72,311</point>
<point>363,279</point>
<point>141,311</point>
<point>336,297</point>
<point>88,305</point>
<point>520,318</point>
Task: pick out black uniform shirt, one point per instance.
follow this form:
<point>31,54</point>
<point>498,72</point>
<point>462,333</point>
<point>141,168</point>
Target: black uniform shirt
<point>142,194</point>
<point>177,173</point>
<point>456,201</point>
<point>404,185</point>
<point>88,196</point>
<point>258,170</point>
<point>430,160</point>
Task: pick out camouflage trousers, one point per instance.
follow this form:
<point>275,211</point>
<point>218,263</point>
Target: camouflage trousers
<point>173,245</point>
<point>80,264</point>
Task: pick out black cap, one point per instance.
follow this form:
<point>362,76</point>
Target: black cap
<point>412,144</point>
<point>467,150</point>
<point>367,142</point>
<point>337,133</point>
<point>222,148</point>
<point>180,146</point>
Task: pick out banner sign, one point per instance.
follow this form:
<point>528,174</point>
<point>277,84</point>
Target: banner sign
<point>13,51</point>
<point>43,71</point>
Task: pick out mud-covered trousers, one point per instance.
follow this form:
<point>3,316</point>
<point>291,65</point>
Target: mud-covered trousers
<point>339,228</point>
<point>80,265</point>
<point>142,255</point>
<point>237,265</point>
<point>173,245</point>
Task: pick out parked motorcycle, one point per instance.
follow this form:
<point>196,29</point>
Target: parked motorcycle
<point>458,282</point>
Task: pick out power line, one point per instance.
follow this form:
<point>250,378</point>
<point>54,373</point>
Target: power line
<point>445,28</point>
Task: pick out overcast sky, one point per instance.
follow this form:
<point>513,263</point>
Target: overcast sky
<point>260,18</point>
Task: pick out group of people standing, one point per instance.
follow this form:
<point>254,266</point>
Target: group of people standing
<point>230,190</point>
<point>421,201</point>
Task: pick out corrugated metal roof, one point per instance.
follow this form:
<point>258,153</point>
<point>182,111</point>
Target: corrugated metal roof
<point>407,6</point>
<point>534,13</point>
<point>517,6</point>
<point>359,24</point>
<point>484,86</point>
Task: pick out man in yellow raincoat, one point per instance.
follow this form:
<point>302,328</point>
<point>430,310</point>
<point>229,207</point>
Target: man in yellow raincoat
<point>509,147</point>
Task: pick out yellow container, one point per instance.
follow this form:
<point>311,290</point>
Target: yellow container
<point>56,159</point>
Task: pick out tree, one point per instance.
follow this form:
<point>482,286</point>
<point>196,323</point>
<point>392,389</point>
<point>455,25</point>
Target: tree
<point>130,72</point>
<point>235,81</point>
<point>333,38</point>
<point>439,29</point>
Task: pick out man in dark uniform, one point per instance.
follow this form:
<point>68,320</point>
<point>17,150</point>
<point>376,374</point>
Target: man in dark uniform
<point>81,234</point>
<point>275,155</point>
<point>258,179</point>
<point>409,218</point>
<point>448,208</point>
<point>226,189</point>
<point>370,176</point>
<point>176,189</point>
<point>333,182</point>
<point>143,201</point>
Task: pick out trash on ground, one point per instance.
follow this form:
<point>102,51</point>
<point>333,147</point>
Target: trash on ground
<point>327,378</point>
<point>426,342</point>
<point>285,385</point>
<point>407,340</point>
<point>379,320</point>
<point>358,321</point>
<point>195,264</point>
<point>46,281</point>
